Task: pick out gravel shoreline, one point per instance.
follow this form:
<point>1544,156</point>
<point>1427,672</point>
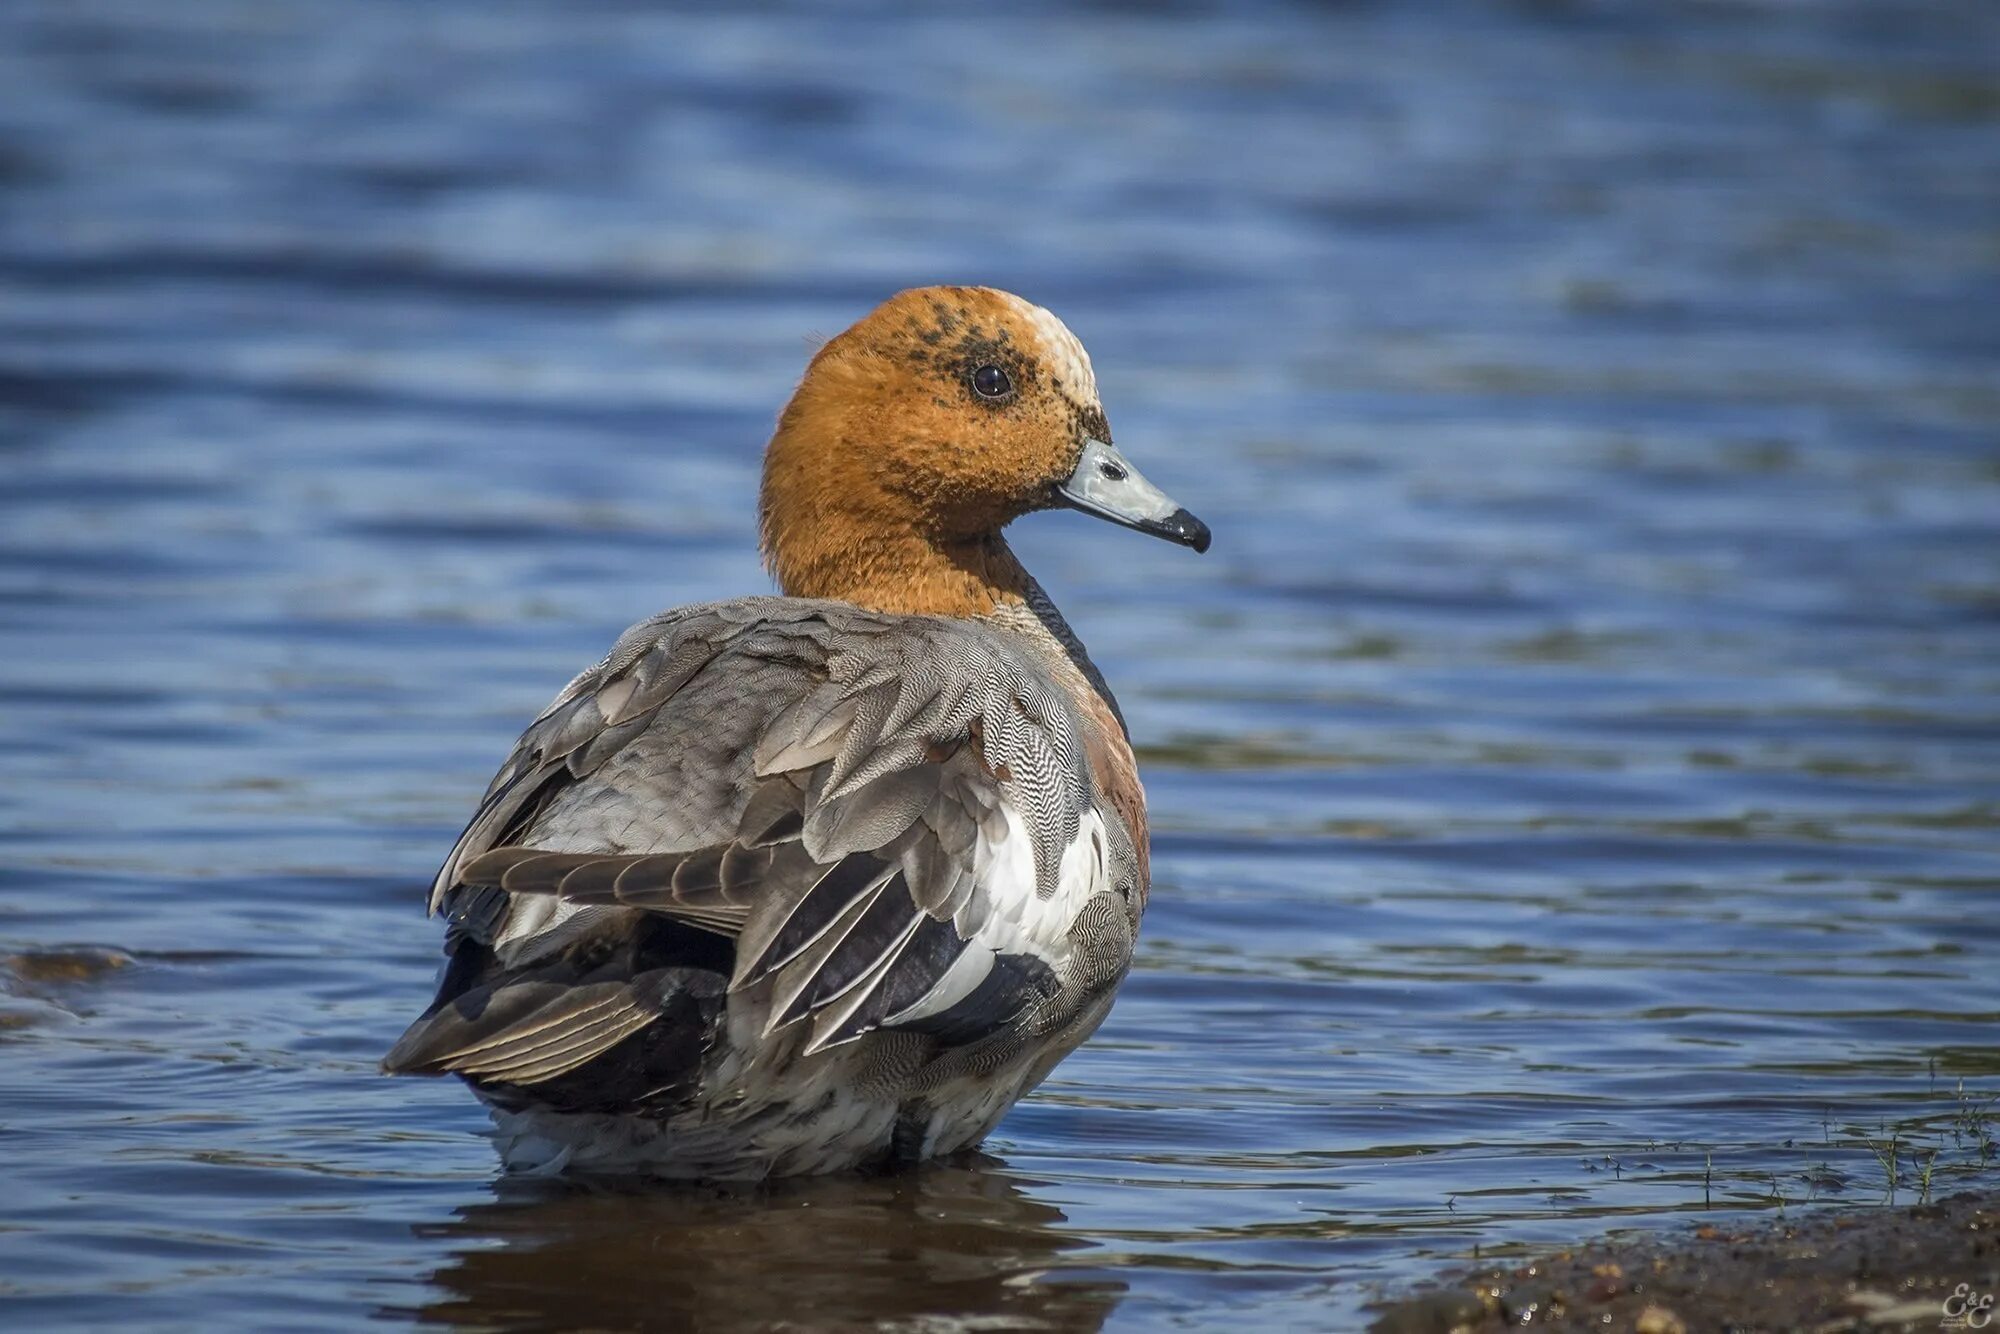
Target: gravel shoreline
<point>1829,1271</point>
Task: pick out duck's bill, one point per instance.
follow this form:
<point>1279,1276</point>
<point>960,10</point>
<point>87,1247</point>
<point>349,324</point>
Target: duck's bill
<point>1107,485</point>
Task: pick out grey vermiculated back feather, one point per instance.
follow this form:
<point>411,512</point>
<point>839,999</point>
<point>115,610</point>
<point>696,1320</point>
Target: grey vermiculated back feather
<point>724,763</point>
<point>874,815</point>
<point>912,683</point>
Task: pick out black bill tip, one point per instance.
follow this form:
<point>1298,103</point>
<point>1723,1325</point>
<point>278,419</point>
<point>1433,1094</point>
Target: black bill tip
<point>1184,528</point>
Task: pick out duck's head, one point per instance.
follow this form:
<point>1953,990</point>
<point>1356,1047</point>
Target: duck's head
<point>921,432</point>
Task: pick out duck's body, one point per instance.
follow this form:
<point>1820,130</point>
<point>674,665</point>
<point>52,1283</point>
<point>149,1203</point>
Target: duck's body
<point>797,884</point>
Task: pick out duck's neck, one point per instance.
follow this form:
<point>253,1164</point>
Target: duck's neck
<point>836,525</point>
<point>887,568</point>
<point>836,545</point>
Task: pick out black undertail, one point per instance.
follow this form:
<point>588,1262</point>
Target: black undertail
<point>607,1025</point>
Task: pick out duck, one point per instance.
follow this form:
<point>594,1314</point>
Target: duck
<point>828,880</point>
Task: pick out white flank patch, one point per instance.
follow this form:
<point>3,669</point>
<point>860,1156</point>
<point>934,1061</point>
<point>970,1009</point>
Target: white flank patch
<point>1061,350</point>
<point>1016,920</point>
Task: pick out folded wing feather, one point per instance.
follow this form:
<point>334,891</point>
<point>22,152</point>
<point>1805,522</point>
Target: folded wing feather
<point>906,830</point>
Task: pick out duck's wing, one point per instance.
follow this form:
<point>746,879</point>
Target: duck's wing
<point>888,820</point>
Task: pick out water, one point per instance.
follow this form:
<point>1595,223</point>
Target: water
<point>1575,771</point>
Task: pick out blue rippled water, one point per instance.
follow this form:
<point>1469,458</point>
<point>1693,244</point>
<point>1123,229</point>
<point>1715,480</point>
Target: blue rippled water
<point>1575,771</point>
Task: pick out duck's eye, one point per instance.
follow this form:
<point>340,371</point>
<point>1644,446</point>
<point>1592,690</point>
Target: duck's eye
<point>991,382</point>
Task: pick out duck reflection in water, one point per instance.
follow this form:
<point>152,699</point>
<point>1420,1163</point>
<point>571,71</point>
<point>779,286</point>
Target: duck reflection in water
<point>961,1246</point>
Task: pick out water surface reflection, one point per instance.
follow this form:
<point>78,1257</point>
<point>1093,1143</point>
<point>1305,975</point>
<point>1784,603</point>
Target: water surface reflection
<point>959,1246</point>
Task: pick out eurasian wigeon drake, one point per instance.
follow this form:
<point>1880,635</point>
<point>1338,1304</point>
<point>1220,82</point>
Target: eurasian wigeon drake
<point>789,885</point>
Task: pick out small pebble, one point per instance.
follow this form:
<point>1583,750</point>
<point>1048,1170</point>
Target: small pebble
<point>1659,1320</point>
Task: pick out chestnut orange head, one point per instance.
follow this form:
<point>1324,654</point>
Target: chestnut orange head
<point>920,433</point>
